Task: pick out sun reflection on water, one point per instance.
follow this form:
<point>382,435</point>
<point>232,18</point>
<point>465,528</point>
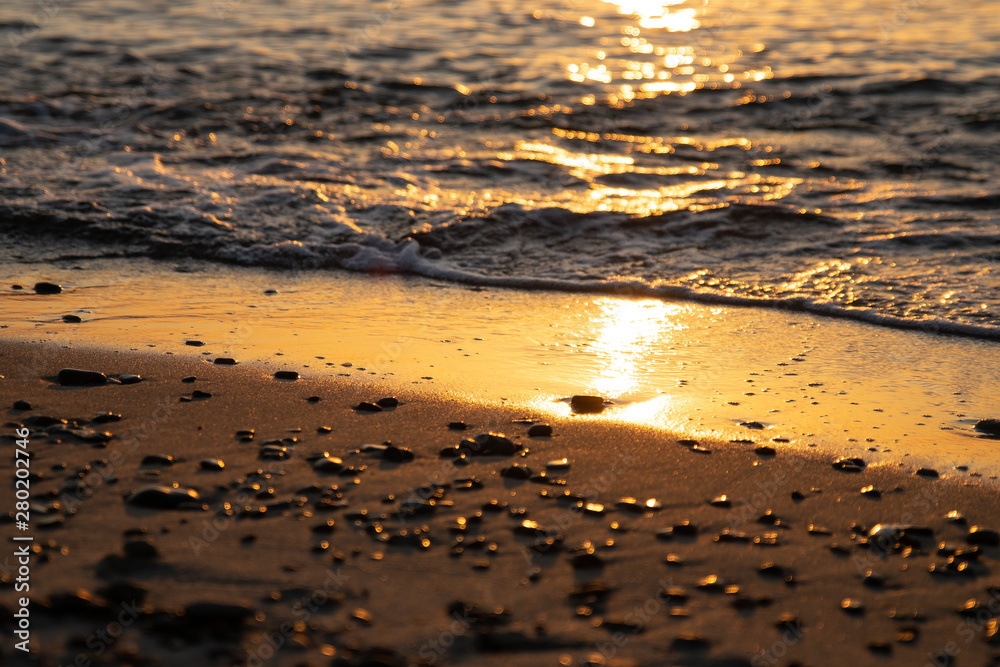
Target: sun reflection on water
<point>626,336</point>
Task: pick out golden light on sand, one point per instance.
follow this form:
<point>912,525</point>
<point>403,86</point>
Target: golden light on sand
<point>625,334</point>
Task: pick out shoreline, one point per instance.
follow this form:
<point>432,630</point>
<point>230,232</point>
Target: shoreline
<point>564,600</point>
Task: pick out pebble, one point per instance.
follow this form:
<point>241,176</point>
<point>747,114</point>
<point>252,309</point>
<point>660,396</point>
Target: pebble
<point>516,471</point>
<point>367,407</point>
<point>586,560</point>
<point>849,464</point>
<point>586,404</point>
<point>330,464</point>
<point>757,426</point>
<point>71,319</point>
<point>286,375</point>
<point>313,399</point>
<point>128,378</point>
<point>140,550</point>
<point>989,426</point>
<point>75,377</point>
<point>387,402</point>
<point>189,379</point>
<point>273,452</point>
<point>194,343</point>
<point>489,444</point>
<point>165,497</point>
<point>212,464</point>
<point>986,537</point>
<point>558,464</point>
<point>397,454</point>
<point>21,405</point>
<point>721,501</point>
<point>157,460</point>
<point>224,361</point>
<point>48,288</point>
<point>852,606</point>
<point>457,426</point>
<point>929,473</point>
<point>765,450</point>
<point>198,393</point>
<point>540,431</point>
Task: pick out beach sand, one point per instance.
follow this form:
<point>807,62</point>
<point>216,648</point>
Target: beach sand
<point>775,556</point>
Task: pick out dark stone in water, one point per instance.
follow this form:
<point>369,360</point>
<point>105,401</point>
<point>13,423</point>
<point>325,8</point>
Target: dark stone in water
<point>106,417</point>
<point>273,452</point>
<point>71,319</point>
<point>540,431</point>
<point>165,497</point>
<point>457,426</point>
<point>21,405</point>
<point>367,407</point>
<point>989,426</point>
<point>212,464</point>
<point>586,404</point>
<point>75,377</point>
<point>224,361</point>
<point>387,402</point>
<point>286,375</point>
<point>157,460</point>
<point>129,379</point>
<point>48,288</point>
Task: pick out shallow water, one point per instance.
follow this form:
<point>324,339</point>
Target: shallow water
<point>836,158</point>
<point>690,370</point>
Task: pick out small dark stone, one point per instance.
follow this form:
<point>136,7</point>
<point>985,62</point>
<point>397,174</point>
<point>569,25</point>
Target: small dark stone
<point>286,375</point>
<point>986,537</point>
<point>157,460</point>
<point>194,343</point>
<point>689,643</point>
<point>457,426</point>
<point>367,407</point>
<point>396,454</point>
<point>989,426</point>
<point>586,560</point>
<point>140,550</point>
<point>71,319</point>
<point>165,497</point>
<point>273,452</point>
<point>128,378</point>
<point>852,606</point>
<point>586,404</point>
<point>314,399</point>
<point>757,426</point>
<point>22,405</point>
<point>198,393</point>
<point>849,464</point>
<point>74,377</point>
<point>224,361</point>
<point>330,464</point>
<point>765,450</point>
<point>189,379</point>
<point>48,288</point>
<point>387,402</point>
<point>16,286</point>
<point>540,431</point>
<point>212,464</point>
<point>516,471</point>
<point>930,473</point>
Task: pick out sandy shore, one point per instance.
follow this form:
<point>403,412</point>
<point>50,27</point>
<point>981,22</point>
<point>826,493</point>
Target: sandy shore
<point>437,560</point>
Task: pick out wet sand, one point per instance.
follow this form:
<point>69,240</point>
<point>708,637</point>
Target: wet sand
<point>292,559</point>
